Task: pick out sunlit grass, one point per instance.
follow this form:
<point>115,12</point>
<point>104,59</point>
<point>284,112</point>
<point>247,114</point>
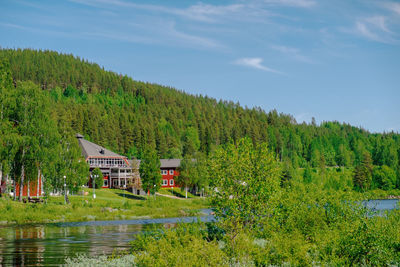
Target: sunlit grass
<point>110,204</point>
<point>178,192</point>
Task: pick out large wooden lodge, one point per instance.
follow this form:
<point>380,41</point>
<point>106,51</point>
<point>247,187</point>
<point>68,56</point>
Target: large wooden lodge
<point>120,172</point>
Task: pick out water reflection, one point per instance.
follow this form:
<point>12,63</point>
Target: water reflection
<point>49,245</point>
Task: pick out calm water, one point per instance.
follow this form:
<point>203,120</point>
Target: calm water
<point>50,244</point>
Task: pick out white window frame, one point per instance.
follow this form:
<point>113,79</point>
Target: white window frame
<point>164,172</point>
<point>171,172</point>
<point>171,182</point>
<point>164,182</point>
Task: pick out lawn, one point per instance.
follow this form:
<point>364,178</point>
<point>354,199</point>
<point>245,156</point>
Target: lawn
<point>110,204</point>
<point>177,192</point>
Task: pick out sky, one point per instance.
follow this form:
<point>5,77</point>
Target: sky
<point>331,60</point>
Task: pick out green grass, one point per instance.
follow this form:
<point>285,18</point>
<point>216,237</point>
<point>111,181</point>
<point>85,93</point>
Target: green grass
<point>110,204</point>
<point>177,192</point>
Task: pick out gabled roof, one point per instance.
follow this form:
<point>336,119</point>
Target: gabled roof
<point>170,163</point>
<point>90,149</point>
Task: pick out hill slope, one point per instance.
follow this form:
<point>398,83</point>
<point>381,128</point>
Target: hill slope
<point>126,116</point>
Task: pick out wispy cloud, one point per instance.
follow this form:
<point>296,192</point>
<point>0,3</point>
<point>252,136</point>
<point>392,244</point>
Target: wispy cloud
<point>393,6</point>
<point>375,29</point>
<point>255,63</point>
<point>303,117</point>
<point>292,52</point>
<point>166,32</point>
<point>198,12</point>
<point>293,3</point>
<point>59,32</point>
<point>378,22</point>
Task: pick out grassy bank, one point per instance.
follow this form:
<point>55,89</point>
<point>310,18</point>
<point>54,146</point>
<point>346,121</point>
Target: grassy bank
<point>110,204</point>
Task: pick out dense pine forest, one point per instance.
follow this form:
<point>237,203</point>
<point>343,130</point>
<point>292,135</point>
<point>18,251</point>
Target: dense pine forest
<point>129,116</point>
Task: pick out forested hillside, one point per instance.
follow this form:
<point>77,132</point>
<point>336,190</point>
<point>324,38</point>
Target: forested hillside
<point>127,116</point>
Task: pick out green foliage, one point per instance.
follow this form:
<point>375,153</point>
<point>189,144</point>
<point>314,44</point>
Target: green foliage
<point>191,142</point>
<point>98,175</point>
<point>384,177</point>
<point>363,173</point>
<point>184,246</point>
<point>126,116</point>
<point>307,176</point>
<point>193,172</point>
<point>246,182</point>
<point>150,171</point>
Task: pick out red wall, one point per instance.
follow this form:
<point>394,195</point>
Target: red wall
<point>105,178</point>
<point>90,184</point>
<point>169,177</point>
<point>32,188</point>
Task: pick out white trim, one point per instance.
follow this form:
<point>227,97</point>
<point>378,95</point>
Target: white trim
<point>172,180</point>
<point>164,182</point>
<point>171,172</point>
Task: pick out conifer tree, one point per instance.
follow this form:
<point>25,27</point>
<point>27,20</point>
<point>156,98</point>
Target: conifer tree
<point>363,173</point>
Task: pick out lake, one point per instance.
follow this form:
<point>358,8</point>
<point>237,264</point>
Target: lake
<point>50,244</point>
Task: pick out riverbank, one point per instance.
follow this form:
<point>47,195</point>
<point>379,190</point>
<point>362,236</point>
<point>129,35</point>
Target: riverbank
<point>380,194</point>
<point>110,204</point>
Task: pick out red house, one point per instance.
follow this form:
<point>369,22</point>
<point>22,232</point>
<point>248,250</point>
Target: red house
<point>32,189</point>
<point>117,170</point>
<point>169,172</point>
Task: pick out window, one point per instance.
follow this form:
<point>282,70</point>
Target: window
<point>164,172</point>
<point>171,172</point>
<point>106,182</point>
<point>115,182</point>
<point>164,182</point>
<point>171,182</point>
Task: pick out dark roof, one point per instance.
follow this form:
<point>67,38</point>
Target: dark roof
<point>90,149</point>
<point>170,163</point>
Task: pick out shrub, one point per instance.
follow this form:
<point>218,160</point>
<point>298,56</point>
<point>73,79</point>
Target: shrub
<point>184,246</point>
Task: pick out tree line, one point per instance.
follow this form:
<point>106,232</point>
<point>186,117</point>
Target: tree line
<point>32,147</point>
<point>132,117</point>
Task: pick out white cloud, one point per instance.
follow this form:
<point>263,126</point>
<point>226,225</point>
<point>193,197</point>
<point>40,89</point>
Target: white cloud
<point>198,12</point>
<point>303,117</point>
<point>379,22</point>
<point>362,29</point>
<point>395,7</point>
<point>166,32</point>
<point>293,3</point>
<point>292,52</point>
<point>375,29</point>
<point>256,63</point>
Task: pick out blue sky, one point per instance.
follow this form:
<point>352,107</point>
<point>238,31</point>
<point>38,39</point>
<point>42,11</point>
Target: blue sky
<point>332,60</point>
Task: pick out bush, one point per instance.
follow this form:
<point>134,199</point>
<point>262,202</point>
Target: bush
<point>184,246</point>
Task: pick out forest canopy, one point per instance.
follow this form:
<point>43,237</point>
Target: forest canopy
<point>129,116</point>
